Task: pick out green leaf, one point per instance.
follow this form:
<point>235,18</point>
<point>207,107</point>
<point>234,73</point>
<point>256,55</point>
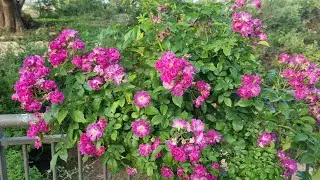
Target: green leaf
<point>286,146</point>
<point>284,108</point>
<point>78,116</point>
<point>96,104</point>
<point>300,137</point>
<point>85,158</point>
<point>151,110</point>
<point>308,119</point>
<point>157,119</point>
<point>259,105</point>
<point>114,135</point>
<point>244,103</point>
<point>177,100</point>
<point>117,126</point>
<point>53,161</point>
<point>230,139</point>
<point>61,115</point>
<point>63,154</point>
<point>264,43</point>
<point>150,171</point>
<point>220,125</point>
<point>167,158</point>
<point>228,102</point>
<point>163,109</point>
<point>308,158</point>
<point>211,118</point>
<point>237,125</point>
<point>112,163</point>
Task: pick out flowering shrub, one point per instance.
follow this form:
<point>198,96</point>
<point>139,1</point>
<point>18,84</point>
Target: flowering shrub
<point>185,99</point>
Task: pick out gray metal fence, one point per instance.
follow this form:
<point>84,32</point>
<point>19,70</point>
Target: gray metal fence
<point>21,120</point>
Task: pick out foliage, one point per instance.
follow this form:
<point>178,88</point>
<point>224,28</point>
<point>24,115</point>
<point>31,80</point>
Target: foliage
<point>16,169</point>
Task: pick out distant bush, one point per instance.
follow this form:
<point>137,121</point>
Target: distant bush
<point>292,27</point>
<point>15,167</point>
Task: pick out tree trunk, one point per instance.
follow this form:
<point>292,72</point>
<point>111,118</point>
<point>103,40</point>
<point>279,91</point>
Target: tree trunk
<point>12,16</point>
<point>1,16</point>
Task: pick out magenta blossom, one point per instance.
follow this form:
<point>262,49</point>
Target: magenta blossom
<point>265,139</point>
<point>178,154</point>
<point>212,137</point>
<point>176,74</point>
<point>142,99</point>
<point>94,132</point>
<point>95,83</point>
<point>281,155</point>
<point>56,97</point>
<point>78,45</point>
<point>250,86</point>
<point>290,166</point>
<point>131,171</point>
<point>33,129</point>
<point>257,3</point>
<point>180,172</point>
<point>86,146</point>
<point>196,126</point>
<point>179,124</point>
<point>37,143</point>
<point>102,123</point>
<point>140,128</point>
<point>204,90</point>
<point>145,149</point>
<point>241,3</point>
<point>215,165</point>
<point>100,151</point>
<point>166,172</point>
<point>199,170</point>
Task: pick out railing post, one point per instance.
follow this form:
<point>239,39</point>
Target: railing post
<point>25,162</point>
<point>80,177</point>
<point>54,170</point>
<point>105,172</point>
<point>3,164</point>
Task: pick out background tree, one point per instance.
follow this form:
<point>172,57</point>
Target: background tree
<point>10,15</point>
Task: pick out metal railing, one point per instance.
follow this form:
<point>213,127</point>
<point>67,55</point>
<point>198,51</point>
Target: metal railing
<point>21,120</point>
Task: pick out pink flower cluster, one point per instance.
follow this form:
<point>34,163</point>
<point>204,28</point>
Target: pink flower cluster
<point>265,139</point>
<point>289,165</point>
<point>105,63</point>
<point>189,150</point>
<point>140,128</point>
<point>241,3</point>
<point>176,74</point>
<point>146,149</point>
<point>162,8</point>
<point>93,133</point>
<point>131,171</point>
<point>204,89</point>
<point>199,172</point>
<point>142,99</point>
<point>250,86</point>
<point>33,88</point>
<point>36,127</point>
<point>243,23</point>
<point>302,76</point>
<point>58,49</point>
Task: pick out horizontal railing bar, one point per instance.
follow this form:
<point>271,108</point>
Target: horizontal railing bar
<point>15,120</point>
<point>47,139</point>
